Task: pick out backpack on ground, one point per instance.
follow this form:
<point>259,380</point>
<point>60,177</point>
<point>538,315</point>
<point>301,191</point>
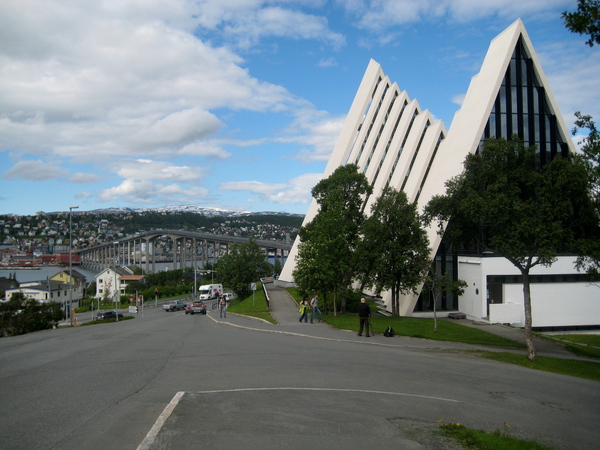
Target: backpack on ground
<point>389,332</point>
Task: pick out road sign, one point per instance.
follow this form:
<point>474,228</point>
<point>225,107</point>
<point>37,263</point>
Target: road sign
<point>253,286</point>
<point>133,310</point>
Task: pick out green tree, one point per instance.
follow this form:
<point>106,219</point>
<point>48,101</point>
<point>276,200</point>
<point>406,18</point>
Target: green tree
<point>21,315</point>
<point>90,291</point>
<point>436,283</point>
<point>585,21</point>
<point>135,286</point>
<point>506,204</point>
<point>242,265</point>
<point>311,274</point>
<point>589,259</point>
<point>334,233</point>
<point>394,251</point>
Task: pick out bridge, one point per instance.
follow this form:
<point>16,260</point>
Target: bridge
<point>147,248</point>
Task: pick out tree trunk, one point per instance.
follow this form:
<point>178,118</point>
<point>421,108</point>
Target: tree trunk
<point>527,303</point>
<point>394,302</point>
<point>335,301</point>
<point>435,298</point>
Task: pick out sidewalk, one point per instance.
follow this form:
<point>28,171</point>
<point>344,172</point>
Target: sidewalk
<point>284,310</point>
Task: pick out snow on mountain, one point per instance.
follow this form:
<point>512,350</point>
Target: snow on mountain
<point>191,209</point>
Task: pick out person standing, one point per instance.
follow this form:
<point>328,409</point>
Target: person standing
<point>364,313</point>
<point>222,307</point>
<point>304,309</point>
<point>314,306</point>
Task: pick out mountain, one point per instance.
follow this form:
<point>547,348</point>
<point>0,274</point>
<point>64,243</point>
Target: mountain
<point>191,209</point>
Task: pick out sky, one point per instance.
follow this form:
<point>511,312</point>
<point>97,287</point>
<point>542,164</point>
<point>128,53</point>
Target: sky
<point>233,104</point>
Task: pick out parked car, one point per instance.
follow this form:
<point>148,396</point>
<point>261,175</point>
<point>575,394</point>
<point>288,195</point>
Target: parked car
<point>174,306</point>
<point>105,315</point>
<point>196,307</point>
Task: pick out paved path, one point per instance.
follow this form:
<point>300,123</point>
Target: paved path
<point>284,310</point>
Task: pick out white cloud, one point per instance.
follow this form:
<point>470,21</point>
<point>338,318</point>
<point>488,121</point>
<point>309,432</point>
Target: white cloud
<point>91,77</point>
<point>280,22</point>
<point>143,169</point>
<point>378,15</point>
<point>573,78</point>
<point>317,131</point>
<point>33,170</point>
<point>327,62</point>
<point>81,178</point>
<point>147,192</point>
<point>296,191</point>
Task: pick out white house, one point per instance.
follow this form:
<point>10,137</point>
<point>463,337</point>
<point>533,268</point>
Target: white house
<point>113,280</point>
<point>49,291</point>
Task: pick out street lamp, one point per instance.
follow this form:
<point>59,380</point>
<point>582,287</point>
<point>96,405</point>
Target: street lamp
<point>71,208</point>
<point>117,288</point>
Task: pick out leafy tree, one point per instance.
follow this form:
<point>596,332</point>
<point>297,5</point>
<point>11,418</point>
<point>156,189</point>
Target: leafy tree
<point>135,286</point>
<point>437,283</point>
<point>310,274</point>
<point>506,204</point>
<point>277,267</point>
<point>589,258</point>
<point>242,265</point>
<point>394,251</point>
<point>585,21</point>
<point>333,235</point>
<point>21,315</point>
<point>91,289</point>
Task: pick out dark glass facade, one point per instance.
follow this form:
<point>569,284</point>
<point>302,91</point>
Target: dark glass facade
<point>522,108</point>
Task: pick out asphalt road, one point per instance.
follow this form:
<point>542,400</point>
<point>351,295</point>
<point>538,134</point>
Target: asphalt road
<point>171,381</point>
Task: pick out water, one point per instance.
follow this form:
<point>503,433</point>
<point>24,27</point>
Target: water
<point>43,273</point>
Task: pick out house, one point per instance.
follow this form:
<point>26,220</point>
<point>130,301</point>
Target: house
<point>115,279</point>
<point>396,143</point>
<point>49,291</point>
<point>78,279</point>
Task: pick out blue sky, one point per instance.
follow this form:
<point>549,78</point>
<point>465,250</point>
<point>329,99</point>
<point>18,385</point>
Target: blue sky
<point>233,104</point>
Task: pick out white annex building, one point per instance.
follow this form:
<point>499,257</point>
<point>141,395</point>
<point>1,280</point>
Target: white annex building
<point>396,143</point>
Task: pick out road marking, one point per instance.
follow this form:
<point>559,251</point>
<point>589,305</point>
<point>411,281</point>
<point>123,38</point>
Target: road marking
<point>363,391</point>
<point>151,436</point>
<point>153,433</point>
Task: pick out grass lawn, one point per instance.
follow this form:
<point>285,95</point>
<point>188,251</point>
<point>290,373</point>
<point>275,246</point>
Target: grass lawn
<point>576,368</point>
<point>586,345</point>
<point>254,306</point>
<point>482,440</point>
<point>423,328</point>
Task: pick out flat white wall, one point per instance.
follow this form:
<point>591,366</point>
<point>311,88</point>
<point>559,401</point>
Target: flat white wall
<point>559,304</point>
<point>472,301</point>
<point>552,304</point>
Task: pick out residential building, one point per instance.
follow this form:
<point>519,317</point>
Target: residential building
<point>113,280</point>
<point>46,291</point>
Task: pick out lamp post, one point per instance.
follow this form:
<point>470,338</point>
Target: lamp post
<point>71,208</point>
<point>117,288</point>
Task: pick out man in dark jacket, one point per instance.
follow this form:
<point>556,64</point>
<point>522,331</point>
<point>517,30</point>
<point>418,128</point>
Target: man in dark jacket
<point>364,312</point>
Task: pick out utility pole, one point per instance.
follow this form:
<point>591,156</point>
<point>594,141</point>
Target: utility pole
<point>71,208</point>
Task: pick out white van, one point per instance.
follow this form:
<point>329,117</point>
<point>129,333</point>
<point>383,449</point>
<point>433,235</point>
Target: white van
<point>210,291</point>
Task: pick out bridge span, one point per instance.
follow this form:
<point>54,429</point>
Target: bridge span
<point>183,248</point>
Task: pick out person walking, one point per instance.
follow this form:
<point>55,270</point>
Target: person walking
<point>222,307</point>
<point>364,313</point>
<point>314,305</point>
<point>304,309</point>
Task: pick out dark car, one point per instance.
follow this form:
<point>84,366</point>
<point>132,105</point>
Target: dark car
<point>195,308</point>
<point>108,315</point>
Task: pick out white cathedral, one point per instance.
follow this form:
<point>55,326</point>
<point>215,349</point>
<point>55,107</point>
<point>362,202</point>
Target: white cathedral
<point>395,143</point>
